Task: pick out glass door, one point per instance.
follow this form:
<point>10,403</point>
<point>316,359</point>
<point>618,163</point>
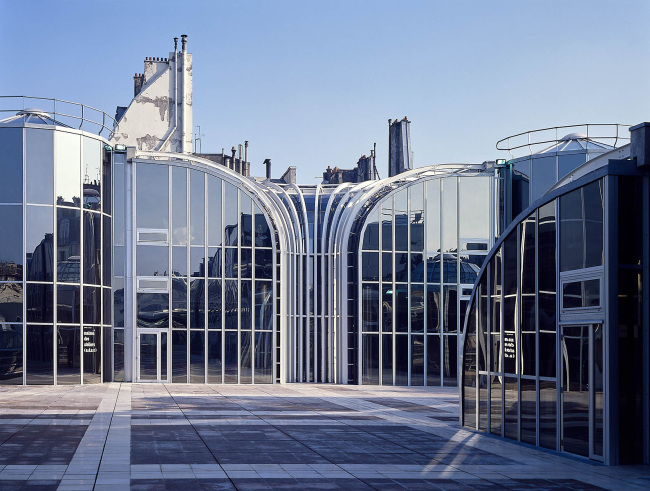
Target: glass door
<point>152,355</point>
<point>582,390</point>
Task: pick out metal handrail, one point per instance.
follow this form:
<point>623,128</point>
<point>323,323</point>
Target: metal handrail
<point>83,118</point>
<point>531,143</point>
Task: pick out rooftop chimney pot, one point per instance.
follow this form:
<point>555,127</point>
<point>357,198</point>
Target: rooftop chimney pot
<point>184,42</point>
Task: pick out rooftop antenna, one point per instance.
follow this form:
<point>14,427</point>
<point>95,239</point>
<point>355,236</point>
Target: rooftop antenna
<point>198,138</point>
<point>374,160</point>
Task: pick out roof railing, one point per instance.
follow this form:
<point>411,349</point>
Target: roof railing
<point>68,113</point>
<point>612,134</point>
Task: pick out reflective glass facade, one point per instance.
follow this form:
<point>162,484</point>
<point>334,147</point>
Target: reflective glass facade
<point>553,342</point>
<point>196,287</point>
<point>55,255</point>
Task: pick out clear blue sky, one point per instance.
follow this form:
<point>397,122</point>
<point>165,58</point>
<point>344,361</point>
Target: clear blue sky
<point>313,83</point>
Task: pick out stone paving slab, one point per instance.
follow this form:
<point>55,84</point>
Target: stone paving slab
<point>215,437</point>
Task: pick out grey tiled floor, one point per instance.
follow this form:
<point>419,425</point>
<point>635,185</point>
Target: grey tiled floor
<point>146,437</point>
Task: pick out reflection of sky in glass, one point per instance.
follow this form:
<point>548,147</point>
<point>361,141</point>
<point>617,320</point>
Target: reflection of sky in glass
<point>68,166</point>
<point>474,207</point>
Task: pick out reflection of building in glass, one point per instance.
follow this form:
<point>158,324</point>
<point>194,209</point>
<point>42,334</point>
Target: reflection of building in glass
<point>556,341</point>
<point>56,294</point>
<point>129,263</point>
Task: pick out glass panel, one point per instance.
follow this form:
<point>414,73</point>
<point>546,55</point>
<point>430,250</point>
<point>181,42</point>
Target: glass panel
<point>417,267</point>
<point>232,264</point>
<point>449,213</point>
<point>482,326</point>
<point>92,174</point>
<point>593,206</point>
<point>246,262</point>
<point>575,382</point>
<point>231,305</point>
<point>416,196</point>
<point>197,207</point>
<point>118,355</point>
<point>579,294</point>
<point>92,354</point>
<point>263,305</point>
<point>197,262</point>
<point>11,163</point>
<point>153,310</point>
<point>469,373</point>
<point>401,221</point>
<point>230,361</point>
<point>152,198</point>
<point>511,409</point>
<point>92,250</point>
<point>39,166</point>
<point>214,357</point>
<point>528,411</point>
<point>371,235</point>
<point>597,401</point>
<point>262,231</point>
<point>92,305</point>
<point>482,402</point>
<point>387,308</point>
<point>246,358</point>
<point>11,302</point>
<point>547,344</point>
<point>40,302</point>
<point>387,225</point>
<point>214,305</point>
<point>520,186</point>
<point>107,179</point>
<point>370,266</point>
<point>527,319</point>
<point>68,304</point>
<point>11,354</point>
<point>547,271</point>
<point>474,207</point>
<point>568,163</point>
<point>246,220</point>
<point>69,354</point>
<point>263,264</point>
<point>179,260</point>
<point>107,273</point>
<point>544,176</point>
<point>433,222</point>
<point>417,307</point>
<point>495,405</point>
<point>214,262</point>
<point>246,304</point>
<point>68,245</point>
<point>401,267</point>
<point>263,357</point>
<point>510,303</point>
<point>148,357</point>
<point>231,215</point>
<point>163,357</point>
<point>39,243</point>
<point>450,360</point>
<point>433,308</point>
<point>417,360</point>
<point>547,414</point>
<point>401,359</point>
<point>370,357</point>
<point>433,360</point>
<point>11,231</point>
<point>197,357</point>
<point>370,308</point>
<point>68,169</point>
<point>450,309</point>
<point>179,205</point>
<point>179,303</point>
<point>572,241</point>
<point>197,304</point>
<point>387,359</point>
<point>387,266</point>
<point>402,308</point>
<point>179,357</point>
<point>118,209</point>
<point>215,228</point>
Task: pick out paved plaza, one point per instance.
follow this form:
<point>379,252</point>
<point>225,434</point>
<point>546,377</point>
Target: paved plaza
<point>203,437</point>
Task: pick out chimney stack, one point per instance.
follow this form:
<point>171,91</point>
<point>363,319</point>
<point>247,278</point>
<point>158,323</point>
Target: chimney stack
<point>184,43</point>
<point>175,45</point>
<point>267,163</point>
